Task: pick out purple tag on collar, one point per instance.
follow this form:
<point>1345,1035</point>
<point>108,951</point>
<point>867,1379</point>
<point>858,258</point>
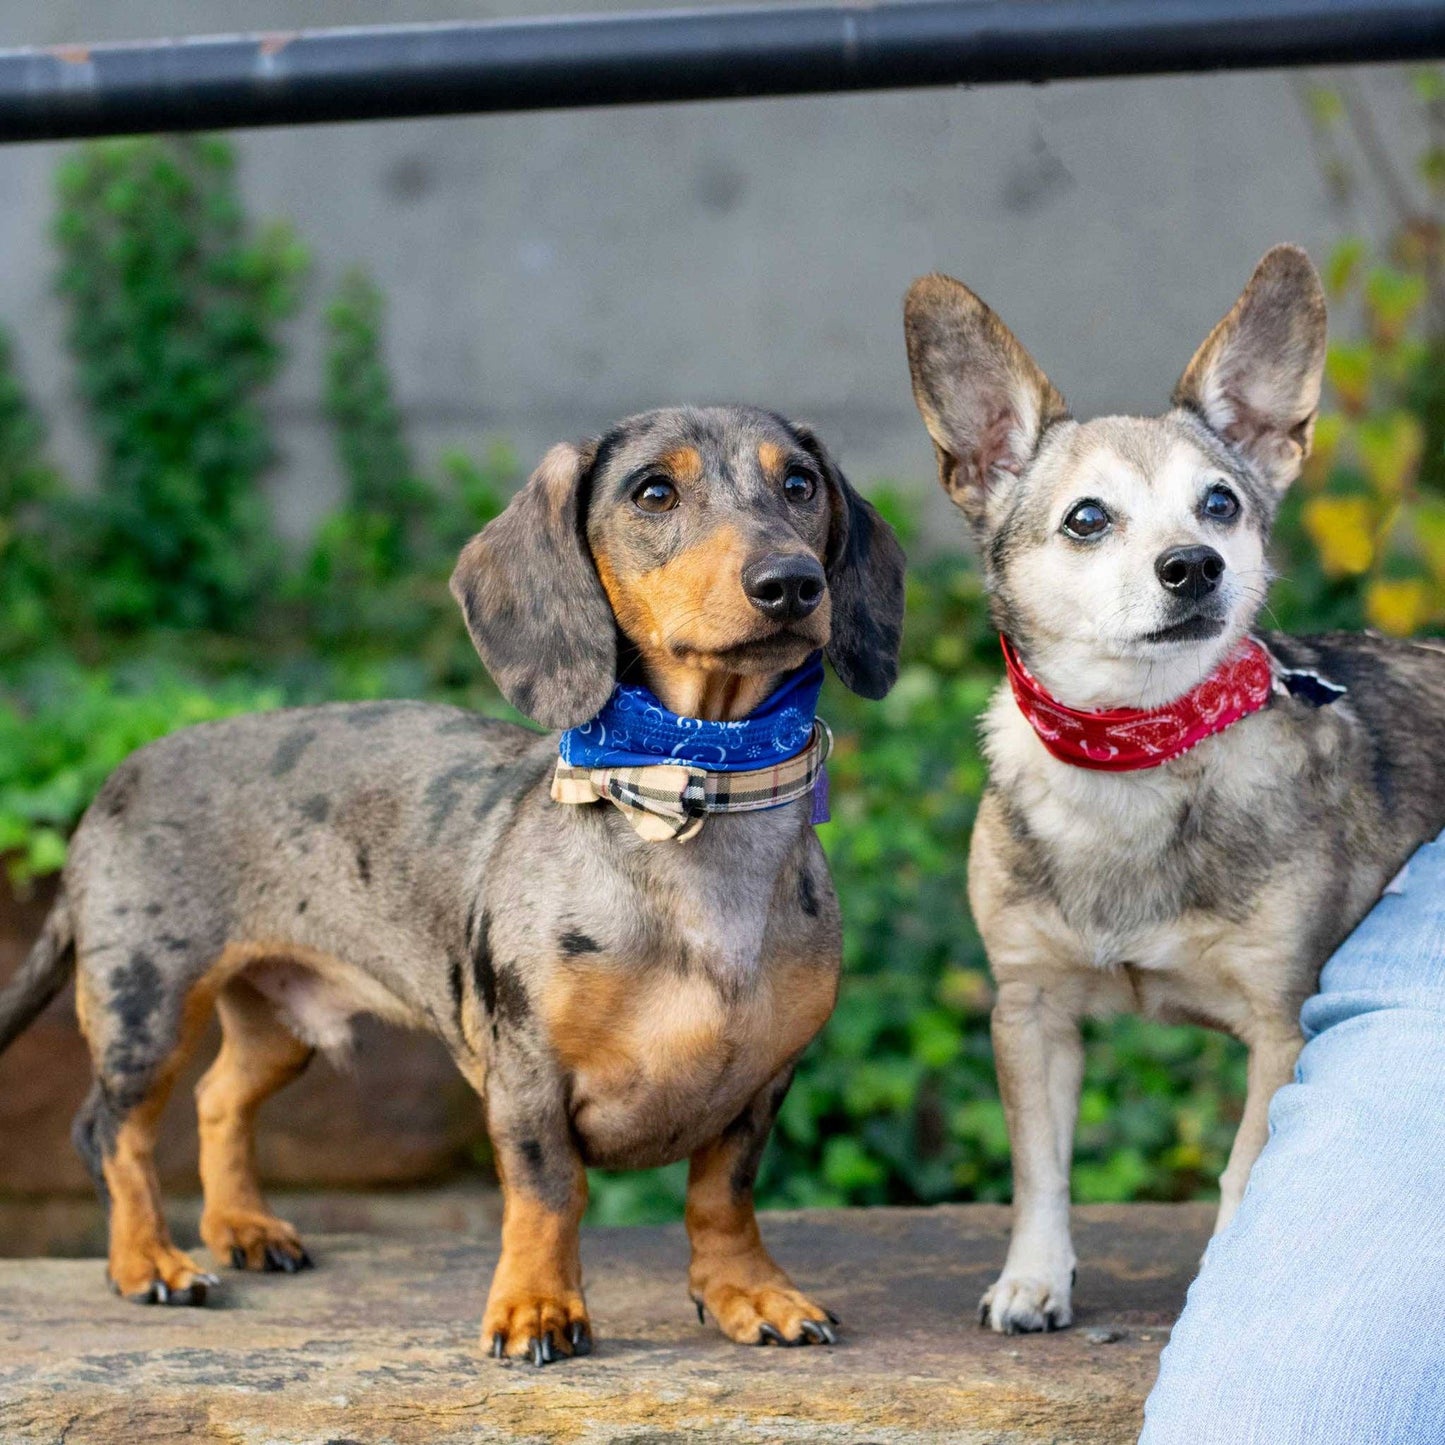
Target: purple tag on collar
<point>820,798</point>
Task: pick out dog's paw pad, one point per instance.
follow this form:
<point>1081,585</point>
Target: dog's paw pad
<point>1018,1305</point>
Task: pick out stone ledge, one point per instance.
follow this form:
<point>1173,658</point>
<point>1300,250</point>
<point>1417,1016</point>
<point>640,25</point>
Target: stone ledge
<point>379,1344</point>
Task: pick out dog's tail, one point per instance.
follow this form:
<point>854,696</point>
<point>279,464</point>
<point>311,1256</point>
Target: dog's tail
<point>41,976</point>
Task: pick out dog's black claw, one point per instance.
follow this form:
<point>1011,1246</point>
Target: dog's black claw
<point>238,1257</point>
<point>499,1346</point>
<point>701,1313</point>
<point>304,1261</point>
<point>770,1334</point>
<point>535,1346</point>
<point>280,1259</point>
<point>581,1338</point>
<point>832,1318</point>
<point>550,1348</point>
<point>819,1333</point>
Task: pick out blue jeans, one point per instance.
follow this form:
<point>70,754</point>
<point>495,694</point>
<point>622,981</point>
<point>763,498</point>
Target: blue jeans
<point>1318,1317</point>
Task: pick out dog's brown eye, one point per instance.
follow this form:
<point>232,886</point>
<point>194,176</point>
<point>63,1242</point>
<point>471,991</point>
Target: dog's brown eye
<point>656,495</point>
<point>1220,504</point>
<point>799,487</point>
<point>1088,519</point>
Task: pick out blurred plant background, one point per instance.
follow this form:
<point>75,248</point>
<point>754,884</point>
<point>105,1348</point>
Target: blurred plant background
<point>163,597</point>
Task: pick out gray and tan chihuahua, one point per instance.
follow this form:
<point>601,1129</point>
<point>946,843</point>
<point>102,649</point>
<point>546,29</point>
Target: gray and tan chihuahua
<point>1181,819</point>
<point>615,1001</point>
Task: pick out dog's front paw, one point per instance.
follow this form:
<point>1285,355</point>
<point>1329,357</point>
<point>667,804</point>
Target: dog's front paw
<point>254,1241</point>
<point>1018,1304</point>
<point>159,1274</point>
<point>539,1327</point>
<point>770,1314</point>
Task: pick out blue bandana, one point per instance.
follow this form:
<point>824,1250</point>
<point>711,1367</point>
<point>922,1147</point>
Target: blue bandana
<point>634,730</point>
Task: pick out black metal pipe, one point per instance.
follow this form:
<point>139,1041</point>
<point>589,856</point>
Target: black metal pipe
<point>627,59</point>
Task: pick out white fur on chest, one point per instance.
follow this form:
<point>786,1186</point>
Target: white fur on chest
<point>1106,834</point>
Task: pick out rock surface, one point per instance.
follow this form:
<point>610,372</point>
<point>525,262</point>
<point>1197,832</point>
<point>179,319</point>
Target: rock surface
<point>379,1345</point>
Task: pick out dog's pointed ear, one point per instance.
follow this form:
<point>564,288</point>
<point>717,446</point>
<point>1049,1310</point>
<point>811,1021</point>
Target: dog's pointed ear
<point>865,569</point>
<point>983,398</point>
<point>1256,380</point>
<point>534,606</point>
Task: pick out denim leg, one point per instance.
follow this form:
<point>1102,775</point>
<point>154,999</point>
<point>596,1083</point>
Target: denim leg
<point>1319,1315</point>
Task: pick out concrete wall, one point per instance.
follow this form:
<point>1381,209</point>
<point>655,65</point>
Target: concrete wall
<point>548,273</point>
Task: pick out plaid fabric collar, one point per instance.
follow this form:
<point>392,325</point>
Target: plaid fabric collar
<point>666,801</point>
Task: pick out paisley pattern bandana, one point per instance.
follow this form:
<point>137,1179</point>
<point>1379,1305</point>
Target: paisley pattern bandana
<point>666,772</point>
<point>1121,740</point>
<point>634,730</point>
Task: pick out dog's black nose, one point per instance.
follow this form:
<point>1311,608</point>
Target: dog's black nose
<point>1191,572</point>
<point>784,588</point>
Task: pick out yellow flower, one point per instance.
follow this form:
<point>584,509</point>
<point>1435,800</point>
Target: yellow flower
<point>1390,449</point>
<point>1399,605</point>
<point>1342,531</point>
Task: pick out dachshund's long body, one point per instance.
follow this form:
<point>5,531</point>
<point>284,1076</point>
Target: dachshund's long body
<point>616,1002</point>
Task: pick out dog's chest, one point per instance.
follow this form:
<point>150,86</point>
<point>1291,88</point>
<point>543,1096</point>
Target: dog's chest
<point>666,1033</point>
<point>1148,873</point>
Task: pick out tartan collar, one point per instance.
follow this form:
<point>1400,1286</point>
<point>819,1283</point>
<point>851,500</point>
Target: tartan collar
<point>671,801</point>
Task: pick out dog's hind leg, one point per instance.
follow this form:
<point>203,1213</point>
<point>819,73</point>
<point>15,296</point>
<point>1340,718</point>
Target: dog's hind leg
<point>140,1038</point>
<point>1272,1056</point>
<point>732,1274</point>
<point>258,1056</point>
<point>1039,1056</point>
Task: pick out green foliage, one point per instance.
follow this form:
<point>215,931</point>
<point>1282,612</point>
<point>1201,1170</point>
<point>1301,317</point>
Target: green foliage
<point>1361,540</point>
<point>375,580</point>
<point>63,729</point>
<point>30,565</point>
<point>174,304</point>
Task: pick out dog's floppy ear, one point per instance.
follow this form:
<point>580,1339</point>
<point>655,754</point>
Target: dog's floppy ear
<point>983,399</point>
<point>1256,380</point>
<point>534,605</point>
<point>865,582</point>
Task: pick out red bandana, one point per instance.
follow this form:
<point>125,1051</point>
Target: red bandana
<point>1122,740</point>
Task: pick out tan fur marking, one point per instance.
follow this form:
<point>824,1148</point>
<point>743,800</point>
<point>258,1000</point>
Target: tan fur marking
<point>803,996</point>
<point>771,457</point>
<point>684,613</point>
<point>258,1056</point>
<point>732,1274</point>
<point>600,1020</point>
<point>141,1251</point>
<point>684,463</point>
<point>537,1287</point>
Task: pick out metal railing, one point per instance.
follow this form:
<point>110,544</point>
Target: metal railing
<point>631,59</point>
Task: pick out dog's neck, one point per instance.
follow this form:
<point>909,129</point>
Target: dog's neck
<point>1093,682</point>
<point>712,695</point>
